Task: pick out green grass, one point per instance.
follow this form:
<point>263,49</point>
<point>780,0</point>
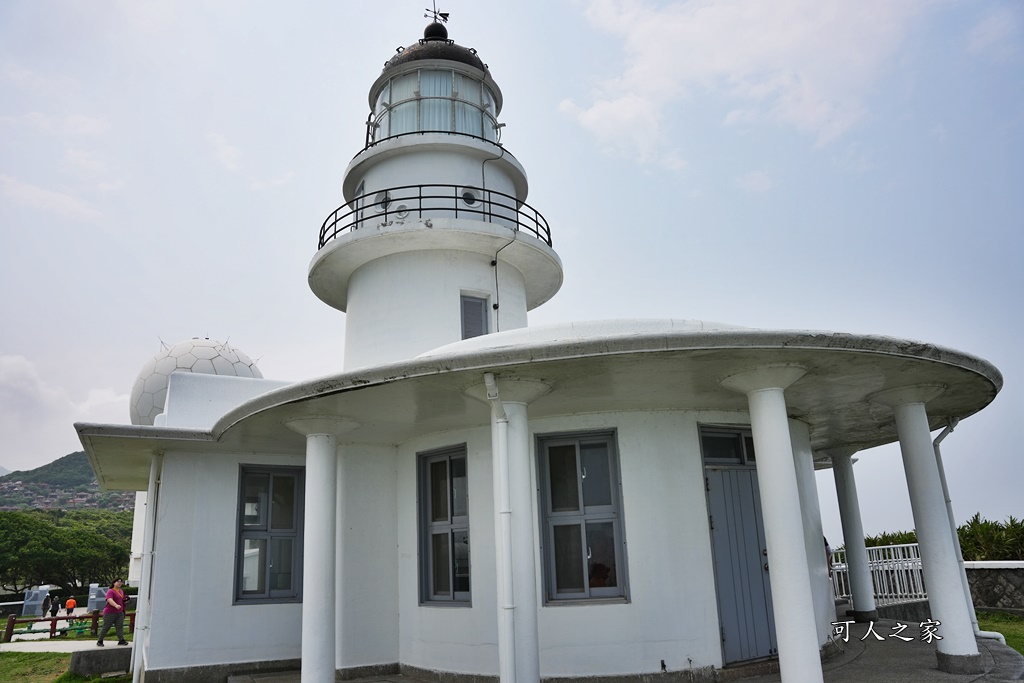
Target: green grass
<point>1010,625</point>
<point>33,667</point>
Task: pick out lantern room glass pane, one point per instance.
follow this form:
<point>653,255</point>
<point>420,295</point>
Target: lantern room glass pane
<point>403,119</point>
<point>435,83</point>
<point>404,87</point>
<point>468,119</point>
<point>467,88</point>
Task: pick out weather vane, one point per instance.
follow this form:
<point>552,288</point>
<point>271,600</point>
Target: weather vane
<point>437,16</point>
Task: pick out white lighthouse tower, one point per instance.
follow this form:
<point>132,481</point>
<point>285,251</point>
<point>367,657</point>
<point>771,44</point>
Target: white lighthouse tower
<point>435,242</point>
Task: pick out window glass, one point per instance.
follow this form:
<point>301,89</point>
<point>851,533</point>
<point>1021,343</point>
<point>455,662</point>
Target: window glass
<point>283,508</point>
<point>474,316</point>
<point>444,526</point>
<point>403,118</point>
<point>436,84</point>
<point>404,87</point>
<point>439,491</point>
<point>601,554</point>
<point>597,488</point>
<point>562,472</point>
<point>383,98</point>
<point>280,563</point>
<point>254,552</point>
<point>441,586</point>
<point>269,547</point>
<point>585,551</point>
<point>719,446</point>
<point>568,558</point>
<point>257,487</point>
<point>468,89</point>
<point>468,119</point>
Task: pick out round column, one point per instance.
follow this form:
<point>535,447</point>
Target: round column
<point>862,587</point>
<point>319,548</point>
<point>795,629</point>
<point>957,652</point>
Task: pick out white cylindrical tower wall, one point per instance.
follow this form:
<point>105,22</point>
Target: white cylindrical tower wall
<point>404,304</point>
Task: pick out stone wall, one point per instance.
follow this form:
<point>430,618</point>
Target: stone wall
<point>996,585</point>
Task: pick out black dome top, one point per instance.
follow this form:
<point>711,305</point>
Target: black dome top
<point>435,45</point>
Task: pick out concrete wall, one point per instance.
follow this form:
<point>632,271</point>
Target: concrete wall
<point>399,306</point>
<point>997,585</point>
<point>193,620</point>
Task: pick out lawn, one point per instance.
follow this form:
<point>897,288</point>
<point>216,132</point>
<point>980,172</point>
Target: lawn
<point>45,667</point>
<point>1010,625</point>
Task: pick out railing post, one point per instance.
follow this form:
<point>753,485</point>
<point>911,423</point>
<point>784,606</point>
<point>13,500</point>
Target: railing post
<point>9,630</point>
<point>131,622</point>
<point>95,623</point>
<point>53,627</point>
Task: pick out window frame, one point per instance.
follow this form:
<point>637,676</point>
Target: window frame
<point>452,527</point>
<point>744,436</point>
<point>485,318</point>
<point>582,515</point>
<point>267,532</point>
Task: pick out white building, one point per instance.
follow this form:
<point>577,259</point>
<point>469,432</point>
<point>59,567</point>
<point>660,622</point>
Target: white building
<point>476,498</point>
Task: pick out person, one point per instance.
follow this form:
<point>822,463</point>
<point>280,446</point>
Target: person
<point>46,604</point>
<point>828,556</point>
<point>70,604</point>
<point>113,614</point>
<point>54,607</point>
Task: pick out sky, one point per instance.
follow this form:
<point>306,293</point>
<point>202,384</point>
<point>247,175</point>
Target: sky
<point>798,164</point>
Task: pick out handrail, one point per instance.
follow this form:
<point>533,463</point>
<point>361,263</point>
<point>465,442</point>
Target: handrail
<point>414,202</point>
<point>896,573</point>
<point>93,617</point>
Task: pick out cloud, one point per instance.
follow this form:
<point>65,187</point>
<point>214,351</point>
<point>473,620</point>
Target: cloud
<point>36,417</point>
<point>48,200</point>
<point>998,34</point>
<point>227,154</point>
<point>756,181</point>
<point>68,124</point>
<point>804,64</point>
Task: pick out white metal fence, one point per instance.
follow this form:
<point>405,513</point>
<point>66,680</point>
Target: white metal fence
<point>895,573</point>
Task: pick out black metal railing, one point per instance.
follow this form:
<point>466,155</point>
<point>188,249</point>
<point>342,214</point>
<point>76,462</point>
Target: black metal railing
<point>414,202</point>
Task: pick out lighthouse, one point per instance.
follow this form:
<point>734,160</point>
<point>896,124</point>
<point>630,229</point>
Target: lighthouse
<point>435,242</point>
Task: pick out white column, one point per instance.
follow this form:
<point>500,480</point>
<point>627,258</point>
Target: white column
<point>799,659</point>
<point>144,609</point>
<point>957,651</point>
<point>515,523</point>
<point>524,545</point>
<point>319,548</point>
<point>862,588</point>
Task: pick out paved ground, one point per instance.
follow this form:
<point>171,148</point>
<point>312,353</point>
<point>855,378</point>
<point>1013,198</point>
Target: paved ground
<point>887,661</point>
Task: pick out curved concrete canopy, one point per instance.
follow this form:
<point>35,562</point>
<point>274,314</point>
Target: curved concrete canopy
<point>633,365</point>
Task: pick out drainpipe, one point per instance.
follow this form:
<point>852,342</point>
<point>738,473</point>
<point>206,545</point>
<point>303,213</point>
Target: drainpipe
<point>145,594</point>
<point>506,601</point>
<point>978,633</point>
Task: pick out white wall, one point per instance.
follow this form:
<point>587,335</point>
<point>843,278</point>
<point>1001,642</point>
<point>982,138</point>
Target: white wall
<point>194,621</point>
<point>367,559</point>
<point>440,637</point>
<point>404,304</point>
<point>672,613</point>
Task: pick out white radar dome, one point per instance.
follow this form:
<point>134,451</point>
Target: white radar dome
<point>205,356</point>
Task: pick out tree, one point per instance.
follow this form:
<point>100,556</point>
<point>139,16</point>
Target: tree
<point>66,549</point>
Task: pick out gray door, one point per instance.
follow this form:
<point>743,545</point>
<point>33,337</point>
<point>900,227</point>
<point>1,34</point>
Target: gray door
<point>741,564</point>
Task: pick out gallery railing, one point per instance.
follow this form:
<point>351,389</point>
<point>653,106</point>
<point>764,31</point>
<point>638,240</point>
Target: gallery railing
<point>895,573</point>
<point>416,202</point>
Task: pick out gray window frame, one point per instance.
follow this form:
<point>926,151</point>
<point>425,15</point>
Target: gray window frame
<point>743,436</point>
<point>453,527</point>
<point>465,299</point>
<point>268,532</point>
<point>611,512</point>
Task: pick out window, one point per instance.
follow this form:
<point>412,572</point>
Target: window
<point>434,100</point>
<point>474,316</point>
<point>269,555</point>
<point>583,549</point>
<point>727,445</point>
<point>444,526</point>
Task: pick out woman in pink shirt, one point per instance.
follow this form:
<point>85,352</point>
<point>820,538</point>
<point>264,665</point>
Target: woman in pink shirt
<point>113,614</point>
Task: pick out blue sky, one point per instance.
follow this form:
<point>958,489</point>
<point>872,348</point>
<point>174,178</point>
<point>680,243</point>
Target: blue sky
<point>807,164</point>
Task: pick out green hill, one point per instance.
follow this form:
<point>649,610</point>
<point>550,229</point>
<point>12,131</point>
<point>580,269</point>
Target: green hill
<point>67,472</point>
